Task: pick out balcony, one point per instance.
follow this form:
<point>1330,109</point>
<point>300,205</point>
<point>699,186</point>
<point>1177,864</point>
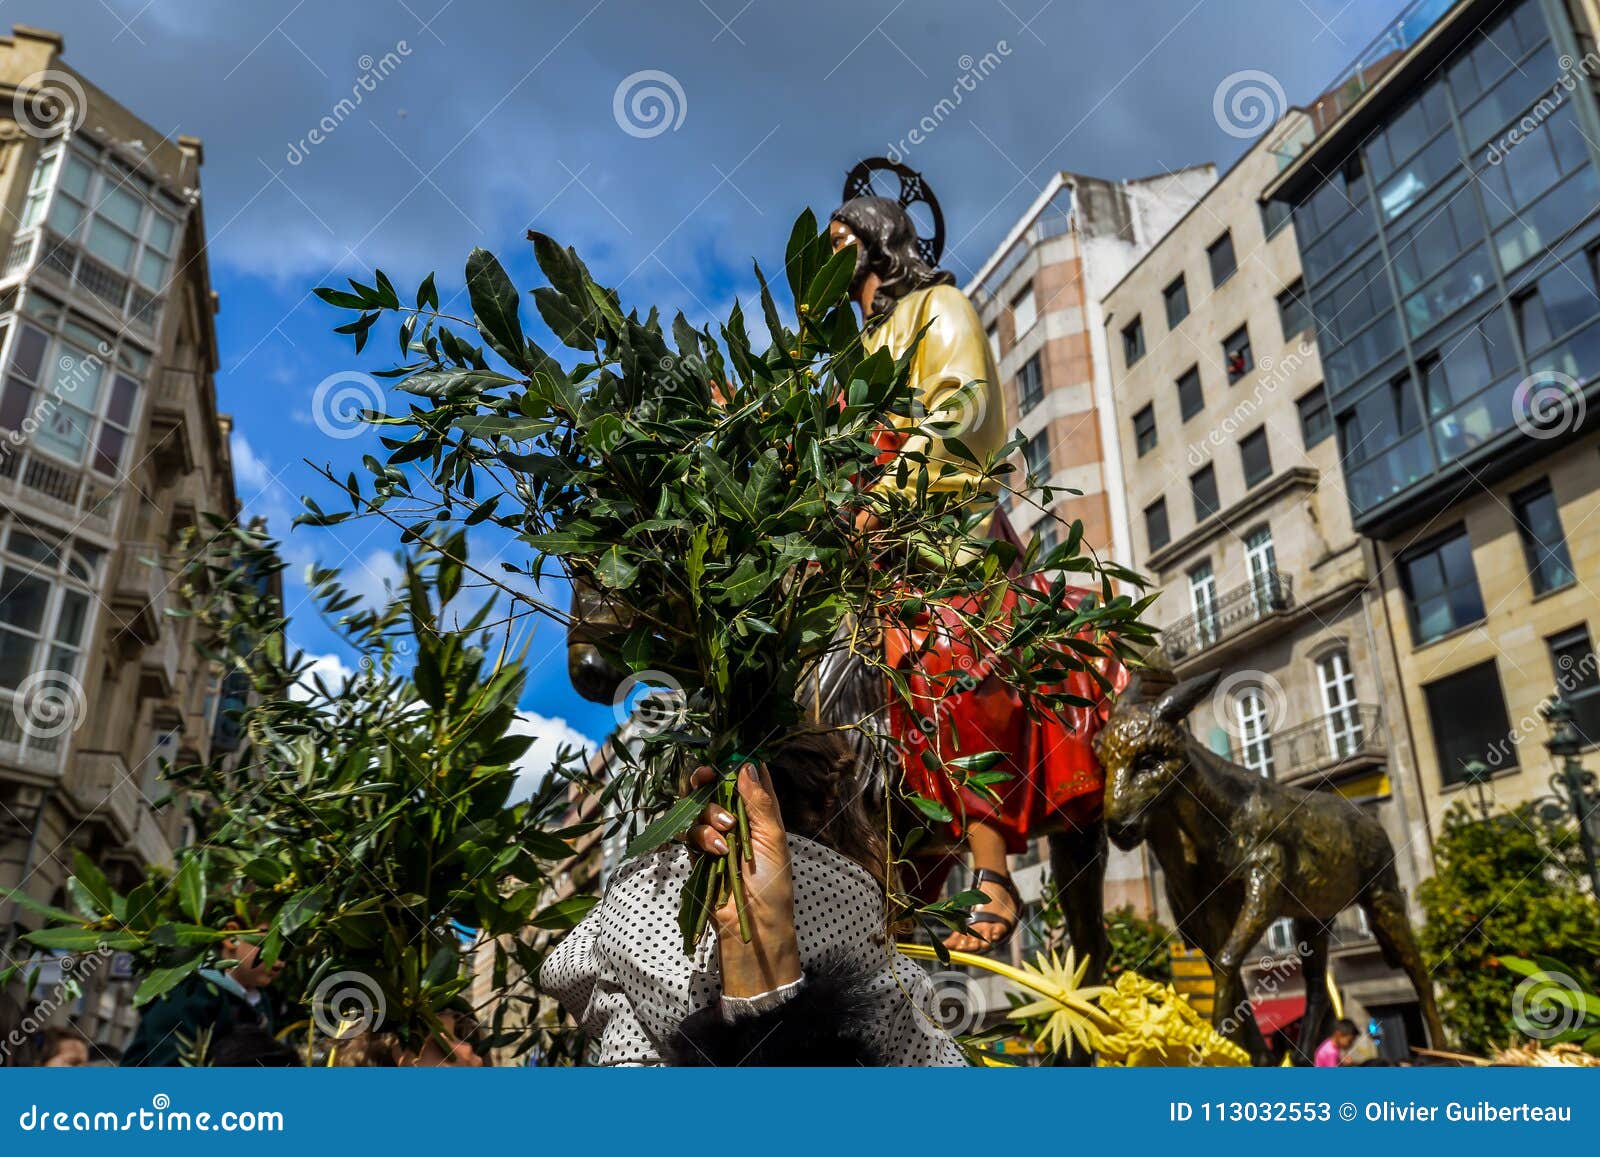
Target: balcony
<point>160,664</point>
<point>1233,615</point>
<point>1344,741</point>
<point>174,422</point>
<point>139,592</point>
<point>85,278</point>
<point>98,788</point>
<point>36,749</point>
<point>60,490</point>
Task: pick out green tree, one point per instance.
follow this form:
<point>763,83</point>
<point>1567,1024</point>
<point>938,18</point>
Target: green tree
<point>712,491</point>
<point>1510,886</point>
<point>367,835</point>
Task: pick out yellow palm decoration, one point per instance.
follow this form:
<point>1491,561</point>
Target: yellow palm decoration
<point>1064,1001</point>
<point>1136,1022</point>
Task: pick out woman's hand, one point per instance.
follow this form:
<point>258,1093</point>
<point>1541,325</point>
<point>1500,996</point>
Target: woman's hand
<point>771,959</point>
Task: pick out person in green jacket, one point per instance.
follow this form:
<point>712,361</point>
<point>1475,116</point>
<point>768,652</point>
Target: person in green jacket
<point>218,1000</point>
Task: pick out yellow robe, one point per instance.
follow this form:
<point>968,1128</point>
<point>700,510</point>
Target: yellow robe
<point>956,383</point>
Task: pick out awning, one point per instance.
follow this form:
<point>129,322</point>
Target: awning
<point>1278,1013</point>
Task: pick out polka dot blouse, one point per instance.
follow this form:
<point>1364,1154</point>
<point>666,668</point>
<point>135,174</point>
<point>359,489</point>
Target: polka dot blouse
<point>623,975</point>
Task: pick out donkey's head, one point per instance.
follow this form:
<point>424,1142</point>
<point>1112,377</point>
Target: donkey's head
<point>1143,751</point>
<point>595,619</point>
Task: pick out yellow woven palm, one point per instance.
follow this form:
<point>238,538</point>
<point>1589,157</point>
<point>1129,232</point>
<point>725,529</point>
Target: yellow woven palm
<point>1136,1022</point>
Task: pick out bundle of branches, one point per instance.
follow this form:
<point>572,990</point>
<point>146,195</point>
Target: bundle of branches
<point>712,493</point>
<point>365,833</point>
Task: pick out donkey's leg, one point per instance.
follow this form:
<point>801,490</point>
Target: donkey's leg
<point>1386,911</point>
<point>1078,871</point>
<point>1313,934</point>
<point>1260,907</point>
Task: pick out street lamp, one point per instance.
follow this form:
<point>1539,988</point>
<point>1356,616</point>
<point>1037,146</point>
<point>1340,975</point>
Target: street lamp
<point>1577,789</point>
<point>1476,774</point>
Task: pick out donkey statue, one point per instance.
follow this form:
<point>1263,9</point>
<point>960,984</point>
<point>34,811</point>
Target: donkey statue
<point>1239,851</point>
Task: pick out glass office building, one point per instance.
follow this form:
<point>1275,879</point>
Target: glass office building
<point>1449,224</point>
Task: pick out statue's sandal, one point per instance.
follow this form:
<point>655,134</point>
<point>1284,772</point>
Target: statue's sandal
<point>981,876</point>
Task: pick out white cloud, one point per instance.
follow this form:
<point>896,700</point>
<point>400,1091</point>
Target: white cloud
<point>332,668</point>
<point>549,736</point>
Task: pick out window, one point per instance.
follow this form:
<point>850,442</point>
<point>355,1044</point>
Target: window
<point>122,221</point>
<point>74,385</point>
<point>1257,459</point>
<point>1441,586</point>
<point>1203,485</point>
<point>1036,452</point>
<point>1316,421</point>
<point>1144,430</point>
<point>1578,679</point>
<point>1255,731</point>
<point>1274,216</point>
<point>1261,562</point>
<point>1048,534</point>
<point>1563,300</point>
<point>1468,715</point>
<point>1023,313</point>
<point>1220,254</point>
<point>1191,399</point>
<point>993,334</point>
<point>1030,385</point>
<point>1133,341</point>
<point>1293,311</point>
<point>1176,296</point>
<point>1236,354</point>
<point>1203,602</point>
<point>1156,531</point>
<point>1340,712</point>
<point>47,585</point>
<point>1543,543</point>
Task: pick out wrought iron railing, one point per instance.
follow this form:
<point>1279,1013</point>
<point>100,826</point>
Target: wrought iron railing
<point>1353,732</point>
<point>1233,611</point>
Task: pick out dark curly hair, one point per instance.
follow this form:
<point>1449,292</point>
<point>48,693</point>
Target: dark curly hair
<point>888,239</point>
<point>817,780</point>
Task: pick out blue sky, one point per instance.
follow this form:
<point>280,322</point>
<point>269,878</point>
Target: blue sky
<point>480,118</point>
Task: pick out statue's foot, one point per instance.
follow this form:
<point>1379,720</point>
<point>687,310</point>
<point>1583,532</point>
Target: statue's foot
<point>991,924</point>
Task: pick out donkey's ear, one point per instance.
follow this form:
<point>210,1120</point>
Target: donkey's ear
<point>1176,704</point>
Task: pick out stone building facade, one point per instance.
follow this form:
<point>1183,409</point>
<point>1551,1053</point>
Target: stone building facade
<point>110,445</point>
<point>1240,518</point>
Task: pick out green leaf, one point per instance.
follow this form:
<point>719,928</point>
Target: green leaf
<point>160,981</point>
<point>88,877</point>
<point>933,809</point>
<point>831,282</point>
<point>673,822</point>
<point>564,914</point>
<point>190,884</point>
<point>494,303</point>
